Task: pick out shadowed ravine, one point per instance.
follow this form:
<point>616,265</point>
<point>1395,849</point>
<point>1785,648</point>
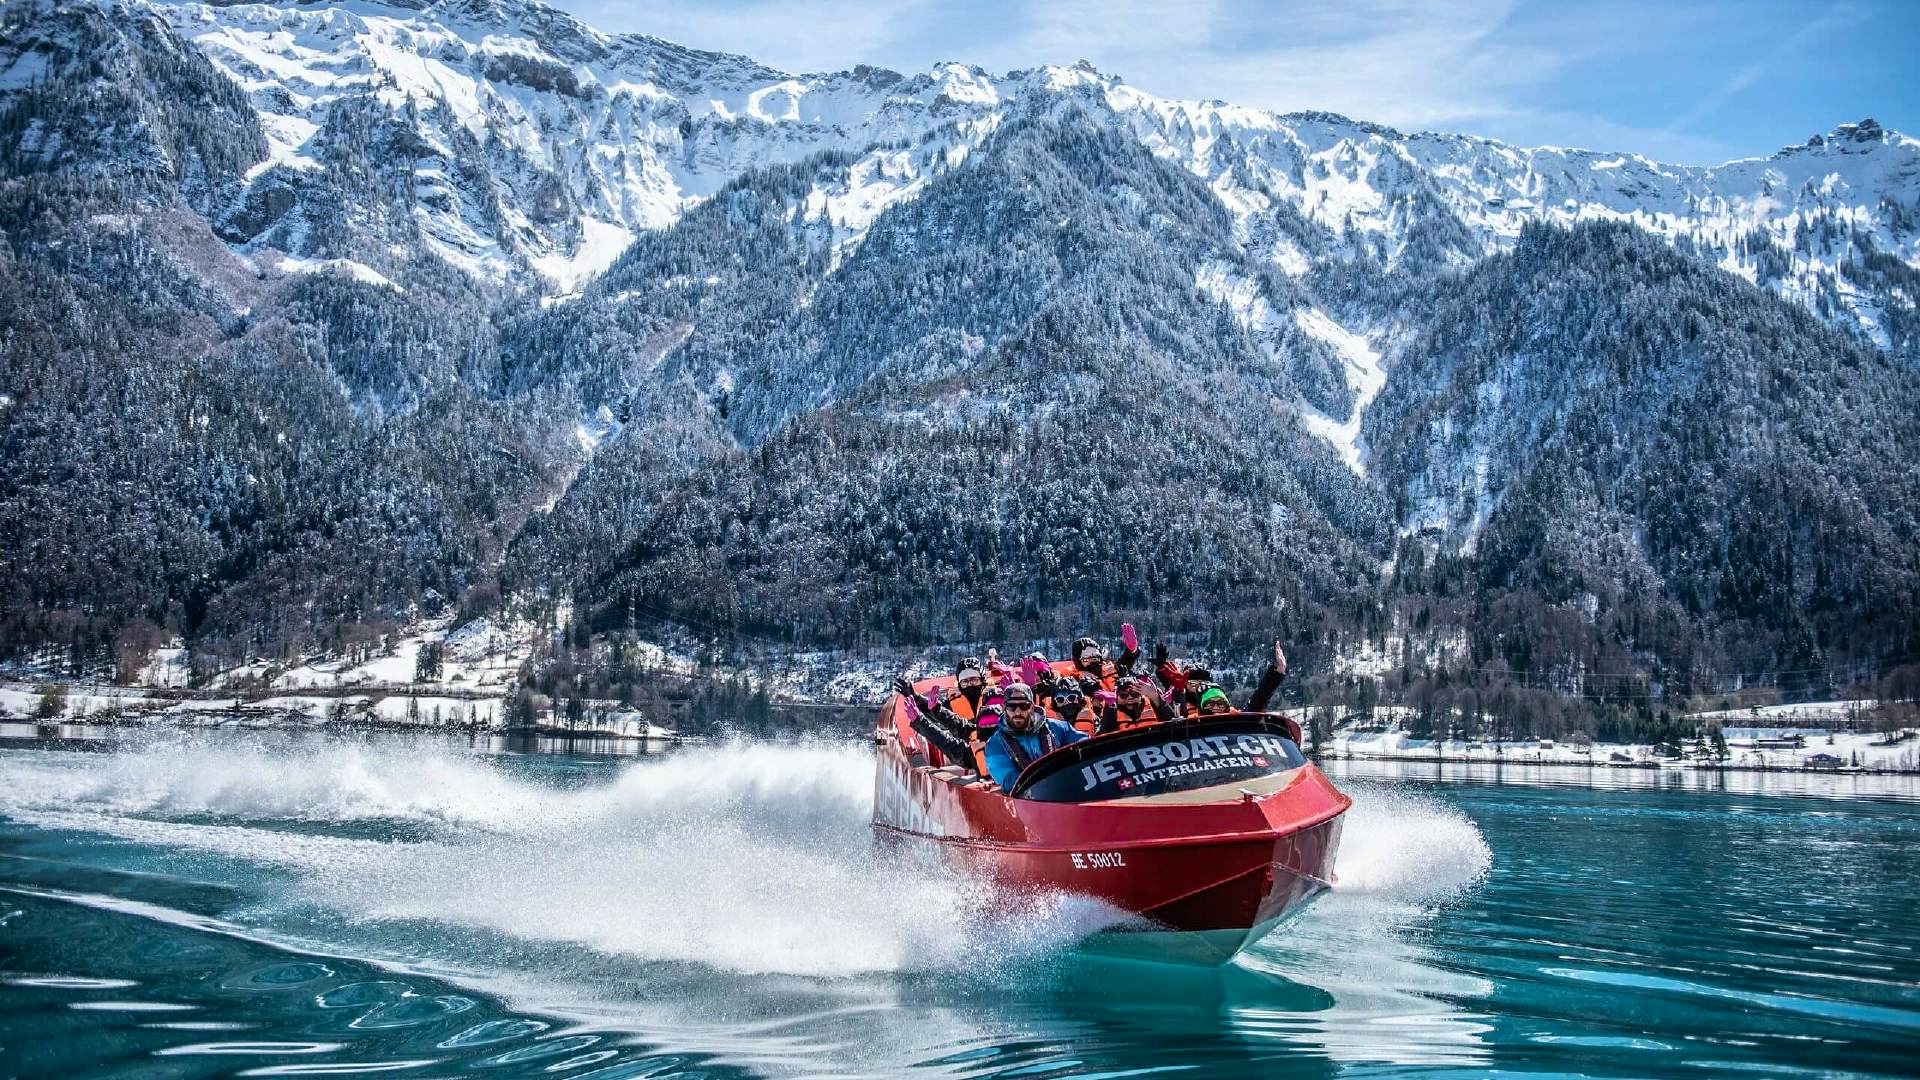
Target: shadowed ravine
<point>225,907</point>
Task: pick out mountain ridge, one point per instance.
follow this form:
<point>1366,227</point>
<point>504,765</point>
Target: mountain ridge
<point>413,313</point>
<point>666,169</point>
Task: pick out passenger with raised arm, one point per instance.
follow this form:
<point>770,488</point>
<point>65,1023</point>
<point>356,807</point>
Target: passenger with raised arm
<point>1134,703</point>
<point>1212,700</point>
<point>1193,690</point>
<point>1090,659</point>
<point>1025,735</point>
<point>1174,677</point>
<point>933,721</point>
<point>998,673</point>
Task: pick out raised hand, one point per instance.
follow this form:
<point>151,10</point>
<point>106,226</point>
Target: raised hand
<point>1128,638</point>
<point>1160,654</point>
<point>1279,659</point>
<point>908,699</point>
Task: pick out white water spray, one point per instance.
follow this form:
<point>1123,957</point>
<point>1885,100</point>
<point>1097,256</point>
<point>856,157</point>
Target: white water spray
<point>748,857</point>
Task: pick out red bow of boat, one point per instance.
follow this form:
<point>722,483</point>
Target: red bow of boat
<point>1209,832</point>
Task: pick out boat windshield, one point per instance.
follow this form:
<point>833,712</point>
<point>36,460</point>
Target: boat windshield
<point>1162,758</point>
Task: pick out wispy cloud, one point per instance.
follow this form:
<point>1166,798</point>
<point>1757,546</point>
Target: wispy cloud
<point>1832,19</point>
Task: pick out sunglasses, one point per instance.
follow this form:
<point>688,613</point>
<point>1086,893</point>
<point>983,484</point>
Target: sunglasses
<point>1018,706</point>
<point>1130,695</point>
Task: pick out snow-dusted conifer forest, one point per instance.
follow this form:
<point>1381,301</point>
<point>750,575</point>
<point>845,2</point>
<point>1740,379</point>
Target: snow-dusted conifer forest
<point>317,319</point>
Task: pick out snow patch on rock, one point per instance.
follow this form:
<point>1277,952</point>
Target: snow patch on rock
<point>1365,377</point>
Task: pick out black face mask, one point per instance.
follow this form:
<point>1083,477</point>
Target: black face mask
<point>972,693</point>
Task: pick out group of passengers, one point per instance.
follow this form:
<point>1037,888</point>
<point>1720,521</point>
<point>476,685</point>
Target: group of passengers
<point>998,719</point>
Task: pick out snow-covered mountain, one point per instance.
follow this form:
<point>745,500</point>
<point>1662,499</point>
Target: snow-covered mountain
<point>537,147</point>
<point>531,299</point>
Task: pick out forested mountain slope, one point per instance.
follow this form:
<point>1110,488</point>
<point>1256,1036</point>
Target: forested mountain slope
<point>319,317</point>
<point>1606,425</point>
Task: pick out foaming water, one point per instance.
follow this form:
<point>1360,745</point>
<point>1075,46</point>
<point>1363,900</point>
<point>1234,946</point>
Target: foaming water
<point>748,857</point>
<point>254,779</point>
<point>1407,846</point>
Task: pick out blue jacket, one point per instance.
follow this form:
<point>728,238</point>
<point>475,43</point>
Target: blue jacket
<point>1000,763</point>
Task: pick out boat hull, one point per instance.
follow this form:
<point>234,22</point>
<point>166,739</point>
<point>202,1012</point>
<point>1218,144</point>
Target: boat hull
<point>1201,877</point>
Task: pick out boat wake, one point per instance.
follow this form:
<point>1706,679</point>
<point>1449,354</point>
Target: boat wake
<point>747,857</point>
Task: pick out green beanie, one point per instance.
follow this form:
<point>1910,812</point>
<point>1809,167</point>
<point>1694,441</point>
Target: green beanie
<point>1212,692</point>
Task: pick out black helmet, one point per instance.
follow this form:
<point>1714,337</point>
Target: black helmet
<point>1081,645</point>
<point>968,662</point>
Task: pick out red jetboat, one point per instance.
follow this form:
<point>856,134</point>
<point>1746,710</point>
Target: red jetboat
<point>1211,831</point>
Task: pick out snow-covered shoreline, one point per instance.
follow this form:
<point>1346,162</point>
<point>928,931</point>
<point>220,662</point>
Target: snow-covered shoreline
<point>1851,751</point>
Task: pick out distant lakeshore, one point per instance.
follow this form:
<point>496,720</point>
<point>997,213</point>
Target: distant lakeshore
<point>1601,760</point>
<point>1833,753</point>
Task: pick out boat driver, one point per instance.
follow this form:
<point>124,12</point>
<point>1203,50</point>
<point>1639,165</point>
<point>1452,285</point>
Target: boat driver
<point>1025,735</point>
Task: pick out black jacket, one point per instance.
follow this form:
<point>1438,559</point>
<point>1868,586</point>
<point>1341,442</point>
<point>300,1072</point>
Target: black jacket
<point>1263,694</point>
<point>943,728</point>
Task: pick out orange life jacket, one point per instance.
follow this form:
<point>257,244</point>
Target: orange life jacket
<point>1107,672</point>
<point>1085,721</point>
<point>978,744</point>
<point>963,708</point>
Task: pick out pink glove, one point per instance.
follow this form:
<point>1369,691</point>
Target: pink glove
<point>1105,698</point>
<point>913,707</point>
<point>1128,638</point>
<point>1032,670</point>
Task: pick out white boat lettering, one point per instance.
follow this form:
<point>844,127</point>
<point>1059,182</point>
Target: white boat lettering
<point>1199,754</point>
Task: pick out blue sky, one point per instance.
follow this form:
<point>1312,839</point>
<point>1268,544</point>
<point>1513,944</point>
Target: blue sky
<point>1693,81</point>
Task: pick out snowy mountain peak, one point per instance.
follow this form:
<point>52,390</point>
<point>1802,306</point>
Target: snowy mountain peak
<point>522,146</point>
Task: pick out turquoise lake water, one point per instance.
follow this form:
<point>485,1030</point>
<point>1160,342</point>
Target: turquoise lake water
<point>232,905</point>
